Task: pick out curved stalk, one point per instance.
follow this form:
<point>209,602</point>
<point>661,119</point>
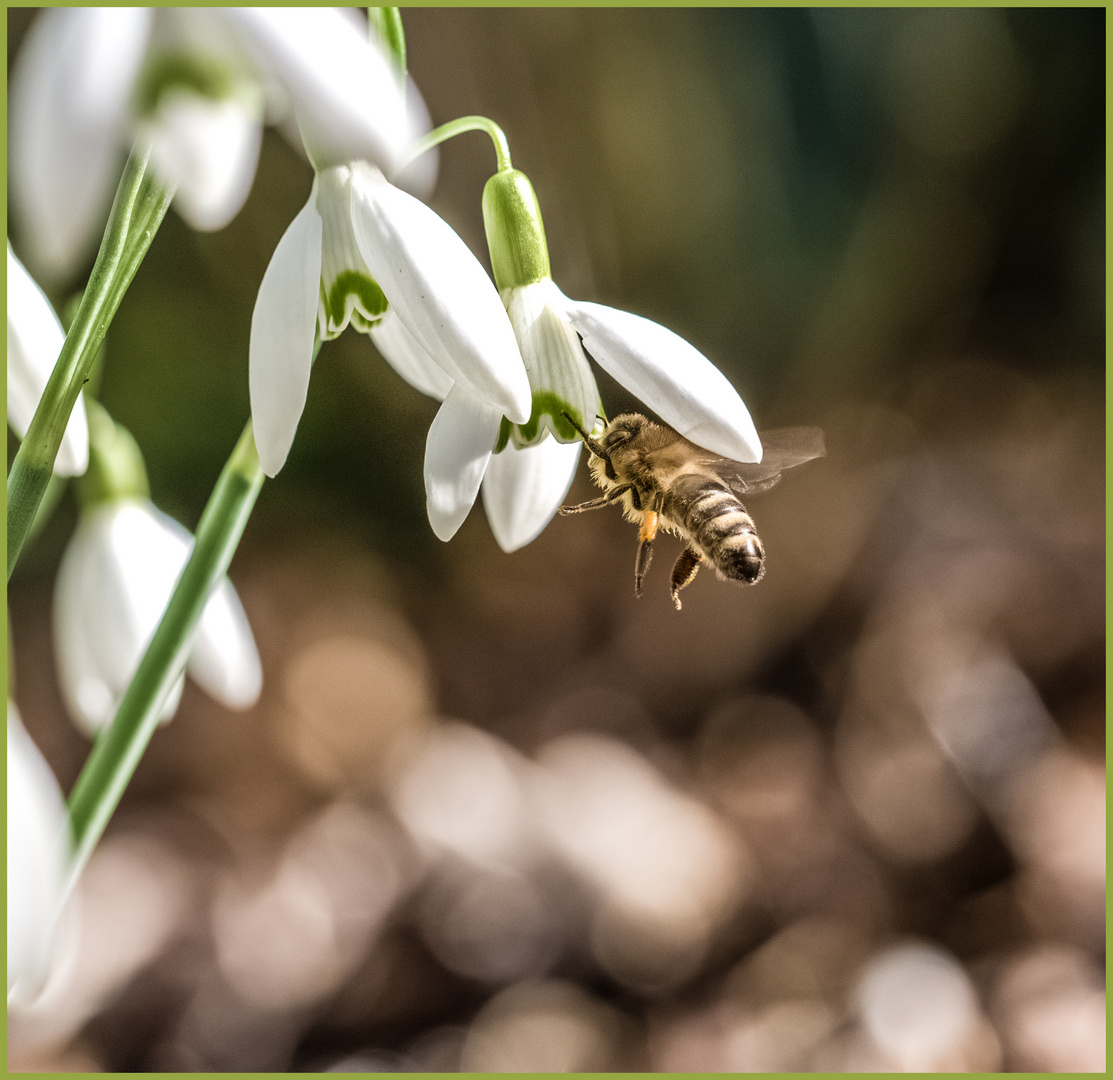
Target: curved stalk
<point>458,127</point>
<point>137,211</point>
<point>120,746</point>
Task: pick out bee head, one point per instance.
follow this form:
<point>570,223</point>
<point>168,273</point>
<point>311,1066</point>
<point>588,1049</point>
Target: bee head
<point>623,429</point>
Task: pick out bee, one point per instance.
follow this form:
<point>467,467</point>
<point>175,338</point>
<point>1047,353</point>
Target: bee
<point>663,481</point>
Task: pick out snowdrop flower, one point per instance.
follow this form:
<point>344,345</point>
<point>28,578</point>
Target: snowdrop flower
<point>195,82</point>
<point>114,583</point>
<point>526,479</point>
<point>38,850</point>
<point>35,339</point>
<point>363,251</point>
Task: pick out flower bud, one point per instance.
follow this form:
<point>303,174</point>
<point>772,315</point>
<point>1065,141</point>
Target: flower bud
<point>116,469</point>
<point>515,233</point>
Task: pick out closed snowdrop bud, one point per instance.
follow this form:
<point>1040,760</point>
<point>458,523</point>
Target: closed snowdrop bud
<point>36,862</point>
<point>113,586</point>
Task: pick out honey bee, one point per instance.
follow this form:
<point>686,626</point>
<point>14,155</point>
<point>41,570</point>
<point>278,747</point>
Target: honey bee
<point>663,481</point>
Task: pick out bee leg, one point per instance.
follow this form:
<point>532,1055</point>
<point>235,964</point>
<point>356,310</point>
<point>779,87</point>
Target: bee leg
<point>683,572</point>
<point>641,564</point>
<point>605,500</point>
<point>645,546</point>
<point>579,508</point>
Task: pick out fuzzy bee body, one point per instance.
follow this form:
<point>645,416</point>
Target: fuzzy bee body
<point>713,520</point>
<point>663,481</point>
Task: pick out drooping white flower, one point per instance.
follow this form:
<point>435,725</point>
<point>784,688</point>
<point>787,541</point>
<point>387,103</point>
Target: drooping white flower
<point>35,339</point>
<point>521,486</point>
<point>38,850</point>
<point>344,93</point>
<point>363,251</point>
<point>195,81</point>
<point>115,580</point>
<point>521,493</point>
<point>113,585</point>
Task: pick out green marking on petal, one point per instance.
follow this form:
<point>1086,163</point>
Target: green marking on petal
<point>546,403</point>
<point>504,435</point>
<point>356,297</point>
<point>201,75</point>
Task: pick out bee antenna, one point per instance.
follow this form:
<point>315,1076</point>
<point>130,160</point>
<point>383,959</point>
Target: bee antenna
<point>589,442</point>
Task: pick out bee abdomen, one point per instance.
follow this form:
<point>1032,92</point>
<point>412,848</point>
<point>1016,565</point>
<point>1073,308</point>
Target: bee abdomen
<point>740,556</point>
<point>723,530</point>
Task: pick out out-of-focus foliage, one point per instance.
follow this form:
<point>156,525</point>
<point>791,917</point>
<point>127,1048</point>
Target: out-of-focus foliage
<point>493,813</point>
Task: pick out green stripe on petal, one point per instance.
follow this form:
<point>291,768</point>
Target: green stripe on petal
<point>356,297</point>
<point>349,291</point>
<point>548,416</point>
<point>202,75</point>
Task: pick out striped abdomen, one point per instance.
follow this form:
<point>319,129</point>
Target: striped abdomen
<point>718,526</point>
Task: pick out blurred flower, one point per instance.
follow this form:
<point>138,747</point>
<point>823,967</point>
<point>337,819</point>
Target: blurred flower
<point>919,1005</point>
<point>358,246</point>
<point>35,339</point>
<point>344,93</point>
<point>113,585</point>
<point>37,833</point>
<point>194,82</point>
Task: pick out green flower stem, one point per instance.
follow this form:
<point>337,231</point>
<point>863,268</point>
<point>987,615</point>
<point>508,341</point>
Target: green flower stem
<point>137,211</point>
<point>458,127</point>
<point>120,746</point>
<point>387,24</point>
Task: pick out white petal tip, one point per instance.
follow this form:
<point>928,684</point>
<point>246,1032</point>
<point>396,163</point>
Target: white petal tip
<point>443,530</point>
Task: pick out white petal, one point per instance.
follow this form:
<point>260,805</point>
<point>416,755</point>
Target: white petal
<point>113,585</point>
<point>440,291</point>
<point>37,854</point>
<point>224,660</point>
<point>523,489</point>
<point>210,150</point>
<point>672,377</point>
<point>559,374</point>
<point>419,176</point>
<point>34,340</point>
<point>69,112</point>
<point>345,93</point>
<point>408,357</point>
<point>457,450</point>
<point>88,696</point>
<point>282,330</point>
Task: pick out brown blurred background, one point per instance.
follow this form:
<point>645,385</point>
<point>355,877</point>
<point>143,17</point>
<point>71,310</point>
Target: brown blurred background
<point>493,813</point>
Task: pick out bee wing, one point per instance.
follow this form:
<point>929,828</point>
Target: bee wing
<point>782,449</point>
